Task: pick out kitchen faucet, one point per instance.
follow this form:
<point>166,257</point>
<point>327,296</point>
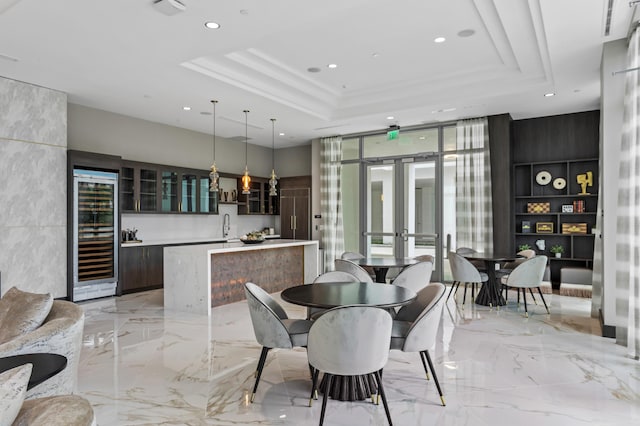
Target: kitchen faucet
<point>226,225</point>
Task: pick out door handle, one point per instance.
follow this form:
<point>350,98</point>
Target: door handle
<point>291,223</point>
<point>295,222</point>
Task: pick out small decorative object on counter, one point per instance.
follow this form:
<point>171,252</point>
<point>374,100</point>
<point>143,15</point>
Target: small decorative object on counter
<point>578,206</point>
<point>567,208</point>
<point>254,237</point>
<point>526,226</point>
<point>541,245</point>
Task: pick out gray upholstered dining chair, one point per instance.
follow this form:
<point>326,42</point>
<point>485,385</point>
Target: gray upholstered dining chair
<point>352,255</point>
<point>272,327</point>
<point>479,264</point>
<point>465,272</point>
<point>330,277</point>
<point>415,277</point>
<point>350,341</point>
<point>425,258</point>
<point>415,327</point>
<point>508,267</point>
<point>354,269</point>
<point>528,275</point>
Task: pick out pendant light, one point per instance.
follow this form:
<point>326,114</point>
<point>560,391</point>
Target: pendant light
<point>273,181</point>
<point>246,179</point>
<point>213,175</point>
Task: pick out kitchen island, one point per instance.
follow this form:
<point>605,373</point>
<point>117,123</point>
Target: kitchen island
<point>198,277</point>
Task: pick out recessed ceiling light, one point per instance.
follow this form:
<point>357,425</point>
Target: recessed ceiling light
<point>422,138</point>
<point>439,40</point>
<point>212,25</point>
<point>332,66</point>
<point>391,117</point>
<point>375,55</point>
<point>186,108</point>
<point>281,134</point>
<point>466,33</point>
<point>313,69</point>
<point>548,95</point>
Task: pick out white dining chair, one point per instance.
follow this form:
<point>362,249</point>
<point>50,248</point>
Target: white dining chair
<point>349,341</point>
<point>415,277</point>
<point>528,275</point>
<point>415,327</point>
<point>465,272</point>
<point>354,269</point>
<point>352,255</point>
<point>272,327</point>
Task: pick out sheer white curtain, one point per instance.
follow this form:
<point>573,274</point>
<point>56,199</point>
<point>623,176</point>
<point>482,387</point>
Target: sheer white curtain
<point>330,200</point>
<point>474,207</point>
<point>628,232</point>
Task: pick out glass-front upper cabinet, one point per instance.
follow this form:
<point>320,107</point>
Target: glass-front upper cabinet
<point>208,200</point>
<point>138,187</point>
<point>188,193</point>
<point>169,191</point>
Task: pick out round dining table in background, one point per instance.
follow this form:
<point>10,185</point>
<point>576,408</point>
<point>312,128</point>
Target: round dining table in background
<point>490,294</point>
<point>331,295</point>
<point>381,265</point>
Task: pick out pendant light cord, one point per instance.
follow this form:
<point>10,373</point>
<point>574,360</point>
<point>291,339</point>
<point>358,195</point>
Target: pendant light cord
<point>246,140</point>
<point>214,130</point>
<point>273,137</point>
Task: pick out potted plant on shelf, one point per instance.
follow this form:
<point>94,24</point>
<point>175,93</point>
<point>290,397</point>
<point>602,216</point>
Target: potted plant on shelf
<point>557,250</point>
<point>522,247</point>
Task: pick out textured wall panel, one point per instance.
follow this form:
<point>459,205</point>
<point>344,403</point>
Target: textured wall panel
<point>273,270</point>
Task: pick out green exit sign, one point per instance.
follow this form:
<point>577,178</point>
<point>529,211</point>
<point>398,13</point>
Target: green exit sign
<point>393,134</point>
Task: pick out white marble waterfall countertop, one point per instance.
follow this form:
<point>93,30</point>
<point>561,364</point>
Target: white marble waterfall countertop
<point>186,241</point>
<point>187,270</point>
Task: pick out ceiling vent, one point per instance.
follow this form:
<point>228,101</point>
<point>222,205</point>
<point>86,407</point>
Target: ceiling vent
<point>169,7</point>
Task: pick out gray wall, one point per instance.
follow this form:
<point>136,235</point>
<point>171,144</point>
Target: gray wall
<point>104,132</point>
<point>33,186</point>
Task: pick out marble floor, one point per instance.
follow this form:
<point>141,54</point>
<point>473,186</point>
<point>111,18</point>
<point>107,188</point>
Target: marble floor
<point>142,365</point>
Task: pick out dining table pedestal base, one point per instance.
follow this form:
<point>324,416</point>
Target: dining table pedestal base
<point>350,388</point>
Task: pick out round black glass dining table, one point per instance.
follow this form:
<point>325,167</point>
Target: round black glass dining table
<point>331,295</point>
<point>490,294</point>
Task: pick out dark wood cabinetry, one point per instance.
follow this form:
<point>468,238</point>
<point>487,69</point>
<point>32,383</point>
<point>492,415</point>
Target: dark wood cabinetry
<point>138,187</point>
<point>555,187</point>
<point>153,188</point>
<point>295,207</point>
<point>186,191</point>
<point>258,201</point>
<point>141,268</point>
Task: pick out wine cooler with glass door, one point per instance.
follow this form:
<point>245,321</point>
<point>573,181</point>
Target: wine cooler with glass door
<point>95,234</point>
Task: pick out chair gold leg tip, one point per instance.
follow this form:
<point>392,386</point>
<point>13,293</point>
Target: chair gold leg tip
<point>315,395</point>
<point>310,401</point>
<point>253,396</point>
<point>444,404</point>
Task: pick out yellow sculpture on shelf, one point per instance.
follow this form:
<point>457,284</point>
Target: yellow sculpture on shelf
<point>584,180</point>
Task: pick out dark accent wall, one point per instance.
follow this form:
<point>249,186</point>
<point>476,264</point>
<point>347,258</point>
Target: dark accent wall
<point>500,146</point>
<point>558,137</point>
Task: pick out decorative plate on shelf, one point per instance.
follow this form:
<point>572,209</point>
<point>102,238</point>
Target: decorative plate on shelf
<point>559,183</point>
<point>543,177</point>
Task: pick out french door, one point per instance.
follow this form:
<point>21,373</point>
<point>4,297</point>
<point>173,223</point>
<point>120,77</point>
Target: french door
<point>401,213</point>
